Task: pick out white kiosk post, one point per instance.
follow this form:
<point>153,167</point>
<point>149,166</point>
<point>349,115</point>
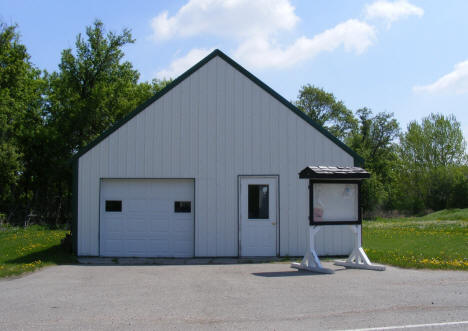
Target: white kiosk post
<point>335,199</point>
<point>311,261</point>
<point>358,258</point>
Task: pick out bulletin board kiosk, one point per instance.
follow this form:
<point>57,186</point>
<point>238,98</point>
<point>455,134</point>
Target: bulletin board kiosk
<point>335,199</point>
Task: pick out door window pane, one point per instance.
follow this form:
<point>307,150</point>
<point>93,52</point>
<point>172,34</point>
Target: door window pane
<point>258,202</point>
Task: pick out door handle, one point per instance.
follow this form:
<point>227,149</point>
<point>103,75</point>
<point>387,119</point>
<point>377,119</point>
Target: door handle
<point>273,223</point>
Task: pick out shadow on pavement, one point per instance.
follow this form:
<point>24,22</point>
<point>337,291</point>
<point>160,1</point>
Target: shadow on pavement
<point>292,273</point>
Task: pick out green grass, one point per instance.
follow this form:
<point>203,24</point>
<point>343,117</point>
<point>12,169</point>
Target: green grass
<point>27,249</point>
<point>435,241</point>
<point>448,215</point>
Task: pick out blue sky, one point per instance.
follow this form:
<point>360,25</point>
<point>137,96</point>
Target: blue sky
<point>406,57</point>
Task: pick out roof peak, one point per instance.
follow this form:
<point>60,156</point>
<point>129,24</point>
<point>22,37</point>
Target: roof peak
<point>217,52</point>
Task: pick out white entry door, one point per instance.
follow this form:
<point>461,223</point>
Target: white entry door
<point>147,217</point>
<point>258,197</point>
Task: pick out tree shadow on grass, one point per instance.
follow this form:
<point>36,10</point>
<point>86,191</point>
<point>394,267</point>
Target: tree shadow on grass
<point>57,254</point>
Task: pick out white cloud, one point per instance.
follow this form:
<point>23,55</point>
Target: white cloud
<point>262,52</point>
<point>227,18</point>
<point>256,26</point>
<point>455,81</point>
<point>181,64</point>
<point>355,36</point>
<point>391,12</point>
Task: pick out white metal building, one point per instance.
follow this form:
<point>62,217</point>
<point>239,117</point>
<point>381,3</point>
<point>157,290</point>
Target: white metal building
<point>206,167</point>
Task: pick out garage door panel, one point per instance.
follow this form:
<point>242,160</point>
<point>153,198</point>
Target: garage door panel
<point>147,225</point>
<point>181,225</point>
<point>135,247</point>
<point>135,189</point>
<point>113,225</point>
<point>159,236</point>
<point>158,247</point>
<point>159,226</point>
<point>181,248</point>
<point>181,235</point>
<point>114,236</point>
<point>133,225</point>
<point>182,216</point>
<point>159,206</point>
<point>113,245</point>
<point>137,207</point>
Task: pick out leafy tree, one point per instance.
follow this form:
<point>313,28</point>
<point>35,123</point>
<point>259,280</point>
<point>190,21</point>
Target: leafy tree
<point>436,141</point>
<point>93,89</point>
<point>432,157</point>
<point>10,166</point>
<point>21,91</point>
<point>459,194</point>
<point>323,107</point>
<point>442,183</point>
<point>374,139</point>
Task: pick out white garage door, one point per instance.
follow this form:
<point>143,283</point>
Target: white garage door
<point>147,217</point>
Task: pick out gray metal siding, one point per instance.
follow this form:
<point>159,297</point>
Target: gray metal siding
<point>215,125</point>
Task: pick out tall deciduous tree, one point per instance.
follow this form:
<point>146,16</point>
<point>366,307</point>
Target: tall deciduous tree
<point>93,87</point>
<point>325,109</point>
<point>436,141</point>
<point>433,164</point>
<point>20,114</point>
<point>374,140</point>
<point>92,90</point>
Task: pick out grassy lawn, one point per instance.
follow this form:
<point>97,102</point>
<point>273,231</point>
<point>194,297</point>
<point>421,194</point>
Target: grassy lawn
<point>436,241</point>
<point>27,249</point>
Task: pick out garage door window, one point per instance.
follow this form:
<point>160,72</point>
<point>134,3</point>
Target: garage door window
<point>113,205</point>
<point>182,207</point>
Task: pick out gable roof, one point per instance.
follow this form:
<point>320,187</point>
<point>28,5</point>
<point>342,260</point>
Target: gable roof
<point>358,161</point>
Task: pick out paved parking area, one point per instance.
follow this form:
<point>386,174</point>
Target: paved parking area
<point>240,296</point>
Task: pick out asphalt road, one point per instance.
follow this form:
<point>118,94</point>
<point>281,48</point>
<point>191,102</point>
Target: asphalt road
<point>242,296</point>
